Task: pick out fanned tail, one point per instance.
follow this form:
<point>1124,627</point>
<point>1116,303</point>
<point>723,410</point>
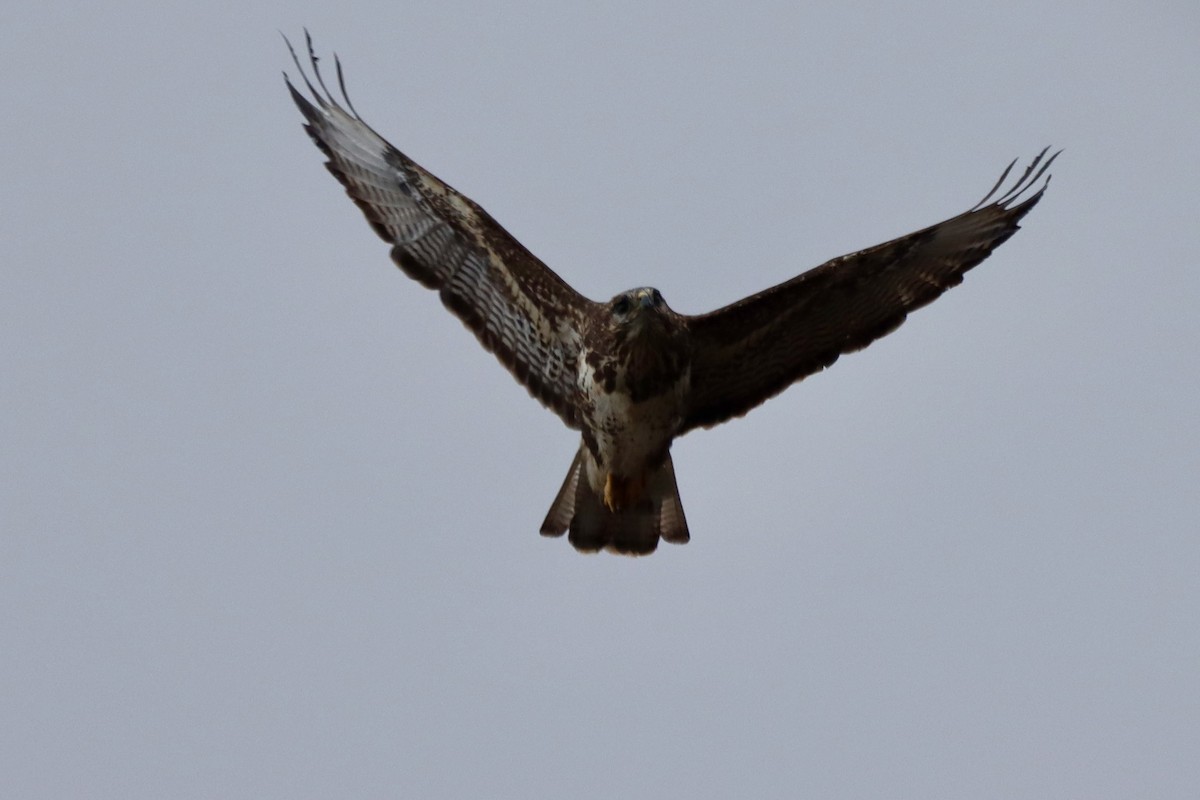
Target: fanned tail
<point>632,531</point>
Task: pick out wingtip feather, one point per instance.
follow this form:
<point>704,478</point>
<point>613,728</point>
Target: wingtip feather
<point>1029,178</point>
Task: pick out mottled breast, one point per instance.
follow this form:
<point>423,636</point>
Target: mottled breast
<point>633,383</point>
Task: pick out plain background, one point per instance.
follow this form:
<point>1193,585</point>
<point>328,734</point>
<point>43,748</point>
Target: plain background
<point>269,514</point>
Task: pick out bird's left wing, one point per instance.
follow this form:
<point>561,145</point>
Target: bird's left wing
<point>518,308</point>
<point>750,351</point>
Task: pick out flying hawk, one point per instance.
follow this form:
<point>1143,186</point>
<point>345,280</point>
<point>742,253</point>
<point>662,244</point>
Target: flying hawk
<point>631,374</point>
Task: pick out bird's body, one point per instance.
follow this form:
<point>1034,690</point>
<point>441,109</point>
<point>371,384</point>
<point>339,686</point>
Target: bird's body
<point>634,379</point>
<point>631,375</point>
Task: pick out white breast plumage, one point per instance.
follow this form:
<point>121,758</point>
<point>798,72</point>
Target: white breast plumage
<point>627,434</point>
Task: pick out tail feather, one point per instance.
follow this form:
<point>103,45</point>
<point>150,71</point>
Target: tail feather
<point>562,510</point>
<point>580,509</point>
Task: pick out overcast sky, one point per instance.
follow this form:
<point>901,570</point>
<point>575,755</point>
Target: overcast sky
<point>268,514</point>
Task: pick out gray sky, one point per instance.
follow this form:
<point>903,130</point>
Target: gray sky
<point>268,514</point>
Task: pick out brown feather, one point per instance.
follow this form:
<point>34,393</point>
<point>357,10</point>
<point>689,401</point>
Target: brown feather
<point>518,308</point>
<point>751,350</point>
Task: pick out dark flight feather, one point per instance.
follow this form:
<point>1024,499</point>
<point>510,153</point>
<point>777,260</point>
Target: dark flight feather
<point>755,348</point>
<point>518,308</point>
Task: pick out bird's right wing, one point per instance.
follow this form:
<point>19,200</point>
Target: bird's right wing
<point>518,308</point>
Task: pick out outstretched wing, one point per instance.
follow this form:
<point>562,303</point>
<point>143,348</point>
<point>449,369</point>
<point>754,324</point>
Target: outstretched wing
<point>750,351</point>
<point>517,307</point>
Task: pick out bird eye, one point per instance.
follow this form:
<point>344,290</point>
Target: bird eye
<point>621,307</point>
<point>656,296</point>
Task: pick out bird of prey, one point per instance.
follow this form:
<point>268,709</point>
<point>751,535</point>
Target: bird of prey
<point>630,374</point>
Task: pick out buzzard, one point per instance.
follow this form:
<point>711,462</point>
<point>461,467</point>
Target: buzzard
<point>631,374</point>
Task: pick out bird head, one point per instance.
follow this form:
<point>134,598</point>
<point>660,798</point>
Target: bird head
<point>637,307</point>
